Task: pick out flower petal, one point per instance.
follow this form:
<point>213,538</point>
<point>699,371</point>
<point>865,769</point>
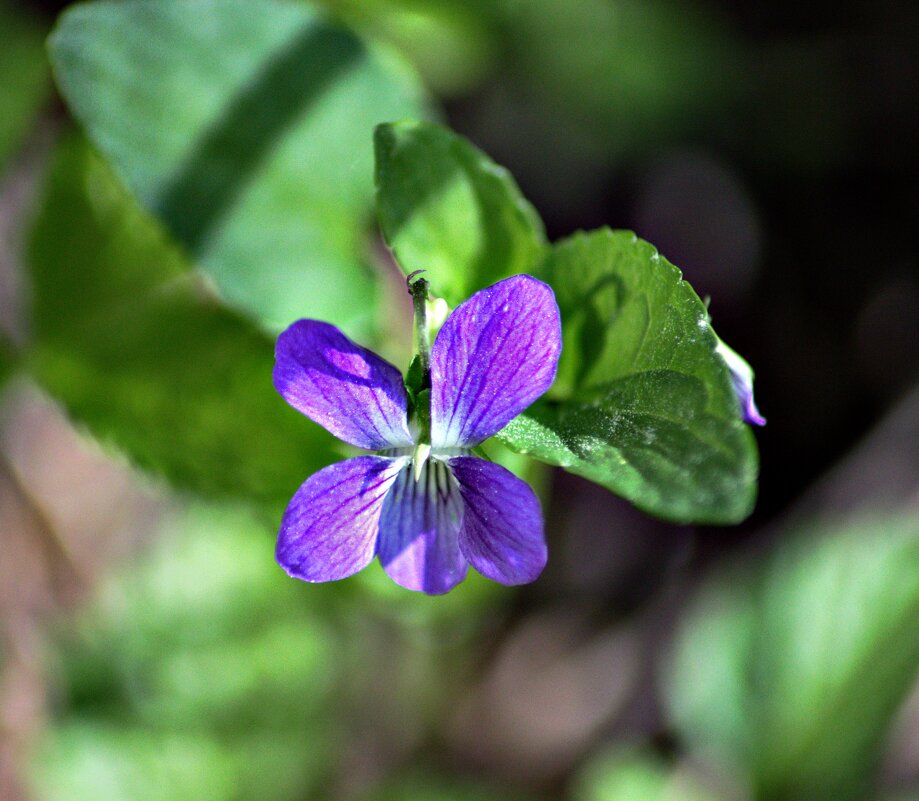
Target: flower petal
<point>502,532</point>
<point>330,528</point>
<point>742,382</point>
<point>495,355</point>
<point>347,389</point>
<point>418,530</point>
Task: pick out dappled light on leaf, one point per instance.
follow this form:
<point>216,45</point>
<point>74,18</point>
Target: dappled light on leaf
<point>246,133</point>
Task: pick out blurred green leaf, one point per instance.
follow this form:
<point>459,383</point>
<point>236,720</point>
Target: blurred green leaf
<point>421,786</point>
<point>137,349</point>
<point>445,207</point>
<point>87,761</point>
<point>452,42</point>
<point>7,360</point>
<point>24,74</point>
<point>642,404</point>
<point>623,76</point>
<point>792,670</point>
<point>459,612</point>
<point>632,774</point>
<point>205,626</point>
<point>245,127</point>
<point>197,673</point>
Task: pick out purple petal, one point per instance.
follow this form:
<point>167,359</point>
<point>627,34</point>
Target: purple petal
<point>502,532</point>
<point>418,531</point>
<point>748,410</point>
<point>492,358</point>
<point>330,528</point>
<point>347,389</point>
<point>742,382</point>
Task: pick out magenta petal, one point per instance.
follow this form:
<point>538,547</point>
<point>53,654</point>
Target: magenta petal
<point>418,529</point>
<point>347,389</point>
<point>330,528</point>
<point>495,355</point>
<point>502,532</point>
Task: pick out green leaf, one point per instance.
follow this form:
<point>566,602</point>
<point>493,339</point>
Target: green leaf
<point>136,765</point>
<point>183,678</point>
<point>24,75</point>
<point>642,404</point>
<point>792,671</point>
<point>635,774</point>
<point>423,784</point>
<point>445,207</point>
<point>7,360</point>
<point>626,76</point>
<point>454,44</point>
<point>139,351</point>
<point>414,380</point>
<point>244,125</point>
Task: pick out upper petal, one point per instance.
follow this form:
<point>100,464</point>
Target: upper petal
<point>418,531</point>
<point>347,389</point>
<point>502,531</point>
<point>330,528</point>
<point>495,355</point>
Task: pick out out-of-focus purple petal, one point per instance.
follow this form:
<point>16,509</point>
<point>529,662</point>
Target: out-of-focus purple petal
<point>418,530</point>
<point>742,381</point>
<point>495,355</point>
<point>502,532</point>
<point>747,405</point>
<point>347,389</point>
<point>330,528</point>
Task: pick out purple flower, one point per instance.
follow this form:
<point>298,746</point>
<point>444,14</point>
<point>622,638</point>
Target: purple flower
<point>424,504</point>
<point>742,382</point>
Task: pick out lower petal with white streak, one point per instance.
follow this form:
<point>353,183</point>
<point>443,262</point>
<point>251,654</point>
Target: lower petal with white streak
<point>418,530</point>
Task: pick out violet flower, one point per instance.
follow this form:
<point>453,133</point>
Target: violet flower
<point>423,503</point>
<point>742,382</point>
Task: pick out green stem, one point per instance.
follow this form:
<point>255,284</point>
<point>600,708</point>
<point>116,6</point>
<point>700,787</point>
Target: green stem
<point>418,289</point>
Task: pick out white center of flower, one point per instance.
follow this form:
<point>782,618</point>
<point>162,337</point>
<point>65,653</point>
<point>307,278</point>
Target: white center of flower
<point>422,454</point>
<point>419,457</point>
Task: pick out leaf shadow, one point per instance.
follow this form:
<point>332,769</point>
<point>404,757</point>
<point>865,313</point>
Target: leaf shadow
<point>599,306</point>
<point>226,157</point>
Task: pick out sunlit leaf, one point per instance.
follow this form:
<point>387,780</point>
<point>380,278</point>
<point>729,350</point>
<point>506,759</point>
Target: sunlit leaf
<point>140,352</point>
<point>245,126</point>
<point>792,670</point>
<point>632,774</point>
<point>445,207</point>
<point>80,759</point>
<point>642,404</point>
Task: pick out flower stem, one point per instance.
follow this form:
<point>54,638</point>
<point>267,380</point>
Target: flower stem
<point>418,289</point>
